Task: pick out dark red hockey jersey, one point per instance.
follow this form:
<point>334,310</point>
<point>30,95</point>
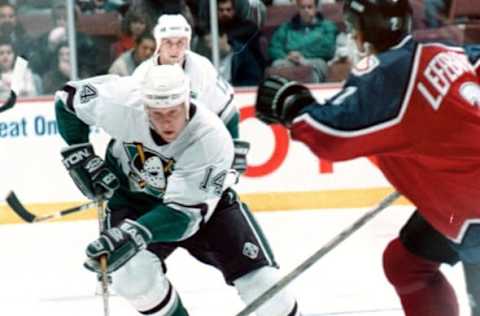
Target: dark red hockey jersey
<point>416,107</point>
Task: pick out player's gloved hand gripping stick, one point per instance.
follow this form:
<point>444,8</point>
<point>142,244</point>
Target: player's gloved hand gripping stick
<point>89,172</point>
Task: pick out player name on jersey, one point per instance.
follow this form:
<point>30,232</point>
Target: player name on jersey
<point>440,73</point>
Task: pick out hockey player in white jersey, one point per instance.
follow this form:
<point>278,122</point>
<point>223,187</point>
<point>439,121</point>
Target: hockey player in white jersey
<point>173,35</point>
<point>167,177</point>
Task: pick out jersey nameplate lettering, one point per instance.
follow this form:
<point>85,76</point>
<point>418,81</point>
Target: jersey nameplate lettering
<point>440,73</point>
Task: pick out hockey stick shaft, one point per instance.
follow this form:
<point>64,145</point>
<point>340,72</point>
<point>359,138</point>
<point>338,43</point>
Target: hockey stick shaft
<point>15,204</point>
<point>334,242</point>
<point>103,261</point>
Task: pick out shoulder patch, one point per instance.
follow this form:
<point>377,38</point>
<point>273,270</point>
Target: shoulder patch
<point>365,65</point>
<point>87,93</point>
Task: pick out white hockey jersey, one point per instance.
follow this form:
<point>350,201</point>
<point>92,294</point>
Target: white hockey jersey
<point>207,85</point>
<point>189,174</point>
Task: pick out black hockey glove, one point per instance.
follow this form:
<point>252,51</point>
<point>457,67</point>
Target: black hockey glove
<point>89,172</point>
<point>279,100</point>
<point>240,158</point>
<point>119,244</point>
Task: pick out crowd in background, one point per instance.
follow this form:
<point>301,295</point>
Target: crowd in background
<point>307,39</point>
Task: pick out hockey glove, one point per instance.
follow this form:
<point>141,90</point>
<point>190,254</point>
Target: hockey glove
<point>119,244</point>
<point>89,172</point>
<point>240,158</point>
<point>280,100</point>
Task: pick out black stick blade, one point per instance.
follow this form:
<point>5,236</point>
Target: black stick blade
<point>10,102</point>
<point>18,208</point>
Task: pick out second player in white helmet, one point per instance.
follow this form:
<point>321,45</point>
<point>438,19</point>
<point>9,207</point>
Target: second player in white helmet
<point>173,35</point>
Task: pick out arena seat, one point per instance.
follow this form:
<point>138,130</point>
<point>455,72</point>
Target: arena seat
<point>464,11</point>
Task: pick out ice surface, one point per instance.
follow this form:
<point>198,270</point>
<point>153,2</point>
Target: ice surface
<point>41,269</point>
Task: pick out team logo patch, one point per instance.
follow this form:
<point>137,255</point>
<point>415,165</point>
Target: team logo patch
<point>153,172</point>
<point>250,250</point>
<point>149,170</point>
<point>365,65</point>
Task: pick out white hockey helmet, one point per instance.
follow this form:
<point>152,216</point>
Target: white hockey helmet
<point>166,86</point>
<point>172,25</point>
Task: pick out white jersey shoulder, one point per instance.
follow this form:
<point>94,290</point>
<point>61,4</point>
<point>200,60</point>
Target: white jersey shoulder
<point>104,101</point>
<point>208,86</point>
<point>141,70</point>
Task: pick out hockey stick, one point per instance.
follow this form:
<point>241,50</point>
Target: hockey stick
<point>17,81</point>
<point>277,287</point>
<point>103,261</point>
<point>15,204</point>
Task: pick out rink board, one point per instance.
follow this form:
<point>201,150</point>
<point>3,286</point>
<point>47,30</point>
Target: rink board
<point>281,175</point>
<point>260,202</point>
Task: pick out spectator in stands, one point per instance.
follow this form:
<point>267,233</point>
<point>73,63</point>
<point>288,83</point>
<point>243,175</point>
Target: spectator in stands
<point>60,72</point>
<point>45,45</point>
<point>134,23</point>
<point>239,30</point>
<point>346,55</point>
<point>42,56</point>
<point>278,2</point>
<point>100,6</point>
<point>248,10</point>
<point>127,62</point>
<point>231,23</point>
<point>436,12</point>
<point>307,39</point>
<point>31,85</point>
<point>155,8</point>
<point>237,64</point>
<point>12,29</point>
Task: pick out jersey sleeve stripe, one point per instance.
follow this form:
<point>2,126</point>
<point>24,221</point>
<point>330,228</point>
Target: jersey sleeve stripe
<point>306,118</point>
<point>227,111</point>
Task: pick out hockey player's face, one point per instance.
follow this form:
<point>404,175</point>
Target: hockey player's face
<point>168,122</point>
<point>172,50</point>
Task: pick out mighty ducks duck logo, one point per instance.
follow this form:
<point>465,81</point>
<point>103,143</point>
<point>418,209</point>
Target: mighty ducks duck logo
<point>149,170</point>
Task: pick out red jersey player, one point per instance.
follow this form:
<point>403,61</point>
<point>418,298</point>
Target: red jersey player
<point>415,106</point>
